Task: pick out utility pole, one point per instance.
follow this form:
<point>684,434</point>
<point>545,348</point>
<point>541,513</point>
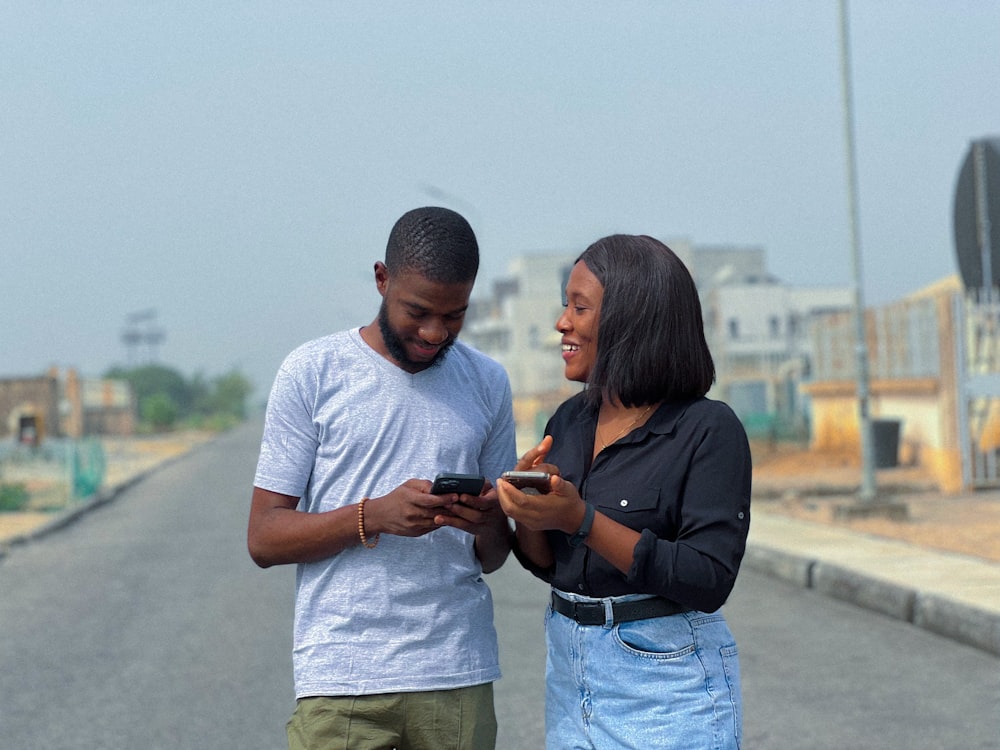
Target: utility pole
<point>868,490</point>
<point>140,329</point>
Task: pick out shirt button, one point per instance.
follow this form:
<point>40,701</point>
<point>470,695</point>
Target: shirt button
<point>623,502</point>
<point>740,515</point>
<point>579,586</point>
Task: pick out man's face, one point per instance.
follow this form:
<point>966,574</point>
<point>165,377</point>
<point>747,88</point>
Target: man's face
<point>419,319</point>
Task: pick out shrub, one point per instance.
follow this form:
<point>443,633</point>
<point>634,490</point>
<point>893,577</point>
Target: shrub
<point>13,496</point>
<point>159,411</point>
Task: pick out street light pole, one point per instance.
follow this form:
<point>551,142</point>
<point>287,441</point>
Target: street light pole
<point>868,491</point>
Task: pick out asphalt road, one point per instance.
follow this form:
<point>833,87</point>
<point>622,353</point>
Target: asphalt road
<point>145,625</point>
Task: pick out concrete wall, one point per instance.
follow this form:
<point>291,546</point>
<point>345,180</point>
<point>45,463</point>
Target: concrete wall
<point>926,406</point>
<point>36,397</point>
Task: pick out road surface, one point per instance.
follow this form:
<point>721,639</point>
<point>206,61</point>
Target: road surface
<point>145,625</point>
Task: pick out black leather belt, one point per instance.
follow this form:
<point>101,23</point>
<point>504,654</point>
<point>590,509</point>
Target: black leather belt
<point>592,613</point>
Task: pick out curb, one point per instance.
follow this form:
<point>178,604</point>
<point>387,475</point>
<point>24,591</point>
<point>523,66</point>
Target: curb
<point>970,626</point>
<point>932,612</point>
<point>69,516</point>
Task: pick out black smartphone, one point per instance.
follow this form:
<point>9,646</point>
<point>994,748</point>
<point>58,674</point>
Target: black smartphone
<point>463,484</point>
<point>528,481</point>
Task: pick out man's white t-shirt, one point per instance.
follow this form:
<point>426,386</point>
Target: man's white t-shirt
<point>344,423</point>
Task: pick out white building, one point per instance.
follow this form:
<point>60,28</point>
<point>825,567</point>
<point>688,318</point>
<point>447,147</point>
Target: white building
<point>516,326</point>
<point>756,326</point>
<point>758,331</point>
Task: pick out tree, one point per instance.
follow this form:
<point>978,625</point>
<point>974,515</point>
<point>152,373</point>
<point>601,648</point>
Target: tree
<point>229,395</point>
<point>159,411</point>
<point>150,380</point>
<point>164,397</point>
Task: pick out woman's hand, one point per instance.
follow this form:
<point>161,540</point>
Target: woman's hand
<point>532,460</point>
<point>560,508</point>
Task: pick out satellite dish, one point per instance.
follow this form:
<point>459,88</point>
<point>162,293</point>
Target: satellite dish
<point>977,215</point>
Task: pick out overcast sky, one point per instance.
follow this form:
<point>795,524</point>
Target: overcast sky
<point>237,166</point>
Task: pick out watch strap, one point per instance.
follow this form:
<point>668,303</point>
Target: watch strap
<point>584,531</point>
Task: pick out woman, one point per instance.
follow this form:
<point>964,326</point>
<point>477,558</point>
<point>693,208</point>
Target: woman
<point>645,523</point>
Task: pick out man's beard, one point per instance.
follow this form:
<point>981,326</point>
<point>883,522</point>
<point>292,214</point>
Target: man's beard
<point>397,350</point>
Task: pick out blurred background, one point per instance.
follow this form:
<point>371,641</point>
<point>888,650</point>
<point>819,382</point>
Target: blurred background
<point>191,190</point>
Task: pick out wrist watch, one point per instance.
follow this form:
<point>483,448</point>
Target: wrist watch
<point>584,531</point>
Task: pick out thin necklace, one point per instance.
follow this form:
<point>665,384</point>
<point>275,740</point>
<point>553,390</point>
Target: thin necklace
<point>628,428</point>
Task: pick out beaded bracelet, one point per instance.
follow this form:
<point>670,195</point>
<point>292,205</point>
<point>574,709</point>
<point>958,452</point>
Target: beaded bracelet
<point>361,526</point>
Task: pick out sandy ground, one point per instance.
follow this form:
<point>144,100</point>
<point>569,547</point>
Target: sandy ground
<point>818,487</point>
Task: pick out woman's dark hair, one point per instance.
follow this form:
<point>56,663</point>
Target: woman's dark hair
<point>435,242</point>
<point>651,339</point>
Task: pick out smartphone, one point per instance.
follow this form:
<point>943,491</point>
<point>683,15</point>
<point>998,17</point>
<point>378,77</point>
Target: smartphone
<point>463,484</point>
<point>528,481</point>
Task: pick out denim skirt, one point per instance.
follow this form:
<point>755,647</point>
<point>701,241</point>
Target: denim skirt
<point>663,682</point>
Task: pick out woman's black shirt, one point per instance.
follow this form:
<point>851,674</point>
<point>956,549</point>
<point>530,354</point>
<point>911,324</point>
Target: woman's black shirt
<point>682,479</point>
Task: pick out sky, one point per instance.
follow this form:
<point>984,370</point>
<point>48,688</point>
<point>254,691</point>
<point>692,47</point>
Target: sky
<point>236,167</point>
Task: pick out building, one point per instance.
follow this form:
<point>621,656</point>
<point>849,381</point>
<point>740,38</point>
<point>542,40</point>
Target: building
<point>516,326</point>
<point>65,405</point>
<point>919,385</point>
<point>29,408</point>
<point>757,328</point>
<point>712,264</point>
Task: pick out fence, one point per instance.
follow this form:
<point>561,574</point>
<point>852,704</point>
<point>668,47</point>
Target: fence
<point>903,342</point>
<point>49,476</point>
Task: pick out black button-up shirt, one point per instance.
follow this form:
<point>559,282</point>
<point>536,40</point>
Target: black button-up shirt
<point>682,480</point>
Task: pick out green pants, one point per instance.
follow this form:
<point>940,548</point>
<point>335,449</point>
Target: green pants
<point>461,719</point>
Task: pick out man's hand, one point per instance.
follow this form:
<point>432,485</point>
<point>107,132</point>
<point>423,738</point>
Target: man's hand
<point>409,510</point>
<point>476,514</point>
<point>481,516</point>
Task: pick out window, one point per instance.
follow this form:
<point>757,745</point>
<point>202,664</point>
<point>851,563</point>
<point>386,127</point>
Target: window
<point>793,325</point>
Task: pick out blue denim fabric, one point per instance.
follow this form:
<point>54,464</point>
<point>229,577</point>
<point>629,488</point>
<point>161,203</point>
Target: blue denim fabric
<point>665,682</point>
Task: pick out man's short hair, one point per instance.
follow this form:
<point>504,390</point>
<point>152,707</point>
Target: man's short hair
<point>651,339</point>
<point>436,243</point>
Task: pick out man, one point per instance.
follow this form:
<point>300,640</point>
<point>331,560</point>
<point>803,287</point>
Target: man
<point>394,645</point>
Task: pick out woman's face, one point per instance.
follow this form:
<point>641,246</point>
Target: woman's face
<point>579,322</point>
